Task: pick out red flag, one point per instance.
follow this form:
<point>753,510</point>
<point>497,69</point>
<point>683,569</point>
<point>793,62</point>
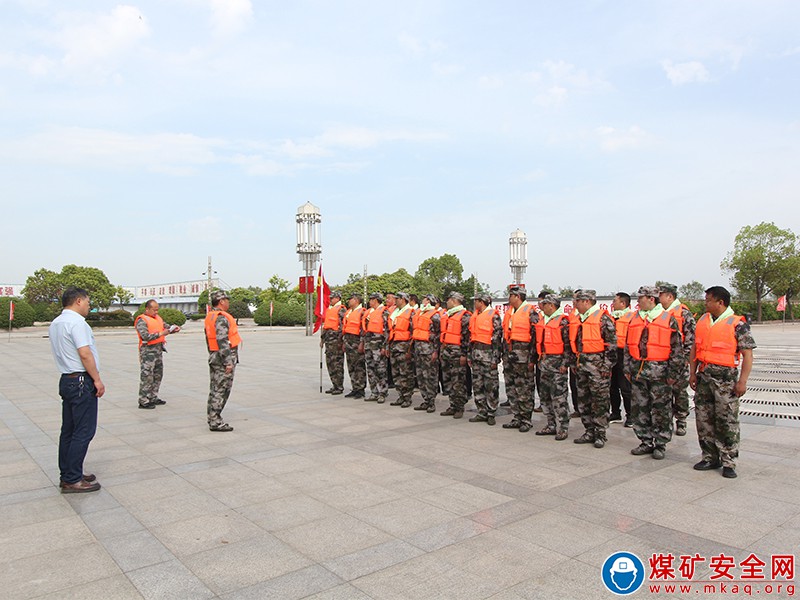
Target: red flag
<point>271,307</point>
<point>323,299</point>
<point>11,310</point>
<point>782,303</point>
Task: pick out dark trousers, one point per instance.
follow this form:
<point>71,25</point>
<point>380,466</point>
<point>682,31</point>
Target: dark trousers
<point>78,424</point>
<point>573,389</point>
<point>620,387</point>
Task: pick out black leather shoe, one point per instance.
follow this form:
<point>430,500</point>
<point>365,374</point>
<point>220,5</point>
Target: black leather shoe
<point>729,472</point>
<point>477,419</point>
<point>358,394</point>
<point>159,402</point>
<point>447,413</point>
<point>525,427</point>
<point>422,406</point>
<point>707,465</point>
<point>397,402</point>
<point>148,406</point>
<point>512,424</point>
<point>350,394</point>
<point>490,420</point>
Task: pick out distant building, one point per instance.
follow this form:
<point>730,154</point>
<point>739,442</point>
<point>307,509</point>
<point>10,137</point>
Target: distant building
<point>11,289</point>
<point>181,295</point>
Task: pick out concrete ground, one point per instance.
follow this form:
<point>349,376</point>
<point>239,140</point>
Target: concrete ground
<point>333,498</point>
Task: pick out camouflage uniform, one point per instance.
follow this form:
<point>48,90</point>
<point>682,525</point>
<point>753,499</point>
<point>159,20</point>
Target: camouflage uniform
<point>402,364</point>
<point>377,364</point>
<point>554,385</point>
<point>680,393</point>
<point>221,382</point>
<point>483,362</point>
<point>593,373</point>
<point>151,365</point>
<point>426,364</point>
<point>519,377</point>
<point>455,374</point>
<point>356,365</point>
<point>717,407</point>
<point>651,395</point>
<point>334,351</point>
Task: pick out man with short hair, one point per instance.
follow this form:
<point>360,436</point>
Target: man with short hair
<point>75,354</point>
<point>400,330</point>
<point>668,296</point>
<point>426,344</point>
<point>375,333</point>
<point>552,341</point>
<point>354,346</point>
<point>223,341</point>
<point>455,349</point>
<point>519,332</point>
<point>620,385</point>
<point>151,331</point>
<point>653,362</point>
<point>331,338</point>
<point>593,339</point>
<point>723,342</point>
<point>486,347</point>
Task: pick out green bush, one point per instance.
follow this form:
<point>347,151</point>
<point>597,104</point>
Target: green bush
<point>197,316</point>
<point>114,318</point>
<point>45,311</point>
<point>283,314</point>
<point>239,310</point>
<point>24,315</point>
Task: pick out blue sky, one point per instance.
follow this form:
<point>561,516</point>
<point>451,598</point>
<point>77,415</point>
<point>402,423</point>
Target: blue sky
<point>630,140</point>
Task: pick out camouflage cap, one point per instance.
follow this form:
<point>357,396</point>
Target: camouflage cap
<point>403,295</point>
<point>376,296</point>
<point>336,294</point>
<point>647,290</point>
<point>668,288</point>
<point>550,299</point>
<point>518,291</point>
<point>432,298</point>
<point>218,295</point>
<point>485,298</point>
<point>355,295</point>
<point>581,294</point>
<point>456,296</point>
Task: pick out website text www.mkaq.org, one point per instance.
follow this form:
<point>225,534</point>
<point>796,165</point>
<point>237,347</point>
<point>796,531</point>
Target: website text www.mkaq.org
<point>780,589</point>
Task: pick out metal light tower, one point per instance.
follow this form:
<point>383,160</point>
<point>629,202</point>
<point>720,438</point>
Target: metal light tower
<point>309,247</point>
<point>518,255</point>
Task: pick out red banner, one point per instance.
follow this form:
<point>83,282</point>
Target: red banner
<point>307,285</point>
<point>781,304</point>
<point>11,310</point>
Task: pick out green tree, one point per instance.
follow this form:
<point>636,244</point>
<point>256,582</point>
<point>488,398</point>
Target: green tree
<point>439,276</point>
<point>566,291</point>
<point>23,313</point>
<point>240,294</point>
<point>44,286</point>
<point>547,289</point>
<point>761,258</point>
<point>122,296</point>
<point>694,290</point>
<point>47,286</point>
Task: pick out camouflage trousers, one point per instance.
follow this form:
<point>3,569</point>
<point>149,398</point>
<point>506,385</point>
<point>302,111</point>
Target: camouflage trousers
<point>151,371</point>
<point>593,393</point>
<point>485,382</point>
<point>553,390</point>
<point>651,411</point>
<point>680,396</point>
<point>427,371</point>
<point>717,414</point>
<point>402,368</point>
<point>455,375</point>
<point>377,366</point>
<point>519,384</point>
<point>334,359</point>
<point>356,365</point>
<point>220,388</point>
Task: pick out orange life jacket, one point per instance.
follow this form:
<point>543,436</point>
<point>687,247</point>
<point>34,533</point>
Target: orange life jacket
<point>422,324</point>
<point>400,326</point>
<point>677,312</point>
<point>375,320</point>
<point>154,325</point>
<point>591,333</point>
<point>332,317</point>
<point>451,328</point>
<point>520,330</point>
<point>480,327</point>
<point>211,330</point>
<point>658,337</point>
<point>352,321</point>
<point>548,336</point>
<point>717,344</point>
<point>621,325</point>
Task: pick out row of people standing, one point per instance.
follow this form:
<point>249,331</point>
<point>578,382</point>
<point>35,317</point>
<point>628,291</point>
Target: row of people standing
<point>647,358</point>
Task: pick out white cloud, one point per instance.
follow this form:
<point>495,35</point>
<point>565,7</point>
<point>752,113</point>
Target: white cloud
<point>555,80</point>
<point>551,97</point>
<point>687,72</point>
<point>612,139</point>
<point>490,82</point>
<point>361,137</point>
<point>206,229</point>
<point>229,17</point>
<point>417,47</point>
<point>445,69</point>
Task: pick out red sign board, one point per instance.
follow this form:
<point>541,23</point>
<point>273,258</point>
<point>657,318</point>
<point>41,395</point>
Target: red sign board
<point>307,285</point>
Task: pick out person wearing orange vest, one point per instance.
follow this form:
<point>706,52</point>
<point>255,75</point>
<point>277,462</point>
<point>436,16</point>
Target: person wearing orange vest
<point>391,304</point>
<point>486,349</point>
<point>620,386</point>
<point>426,345</point>
<point>401,328</point>
<point>223,341</point>
<point>668,296</point>
<point>593,340</point>
<point>653,362</point>
<point>331,338</point>
<point>555,357</point>
<point>723,342</point>
<point>375,334</point>
<point>354,347</point>
<point>151,331</point>
<point>455,348</point>
<point>519,358</point>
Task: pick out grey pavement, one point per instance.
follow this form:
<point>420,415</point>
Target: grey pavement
<point>323,497</point>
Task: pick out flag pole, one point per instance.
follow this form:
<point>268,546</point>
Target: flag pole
<point>10,318</point>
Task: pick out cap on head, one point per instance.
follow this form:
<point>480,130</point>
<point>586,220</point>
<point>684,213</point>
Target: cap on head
<point>457,297</point>
<point>433,299</point>
<point>668,288</point>
<point>218,295</point>
<point>376,296</point>
<point>519,292</point>
<point>336,294</point>
<point>647,290</point>
<point>485,298</point>
<point>581,294</point>
<point>402,295</point>
<point>550,299</point>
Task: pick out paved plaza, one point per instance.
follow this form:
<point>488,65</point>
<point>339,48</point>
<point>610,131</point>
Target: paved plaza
<point>323,497</point>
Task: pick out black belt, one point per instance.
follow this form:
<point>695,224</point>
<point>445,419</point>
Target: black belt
<point>76,374</point>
